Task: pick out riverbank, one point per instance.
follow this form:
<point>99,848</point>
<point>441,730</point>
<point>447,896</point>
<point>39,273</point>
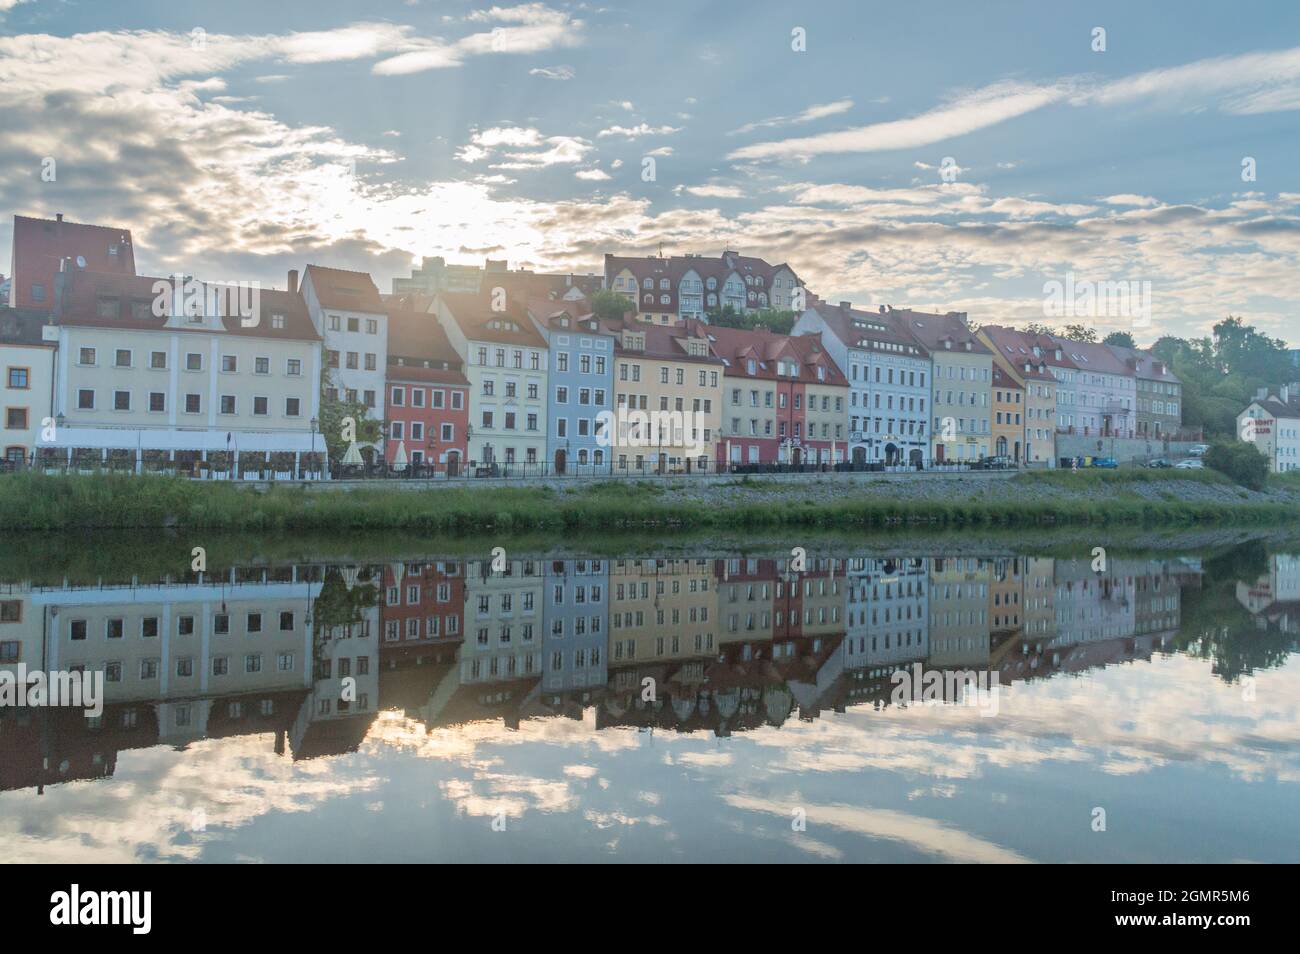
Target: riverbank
<point>830,501</point>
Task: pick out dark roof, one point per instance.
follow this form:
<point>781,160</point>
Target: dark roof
<point>83,291</point>
<point>1088,356</point>
<point>661,341</point>
<point>22,326</point>
<point>478,322</point>
<point>1003,380</point>
<point>1146,365</point>
<point>1016,347</point>
<point>737,345</point>
<point>675,267</point>
<point>41,244</point>
<point>344,290</point>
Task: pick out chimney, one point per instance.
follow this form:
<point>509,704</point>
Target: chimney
<point>882,309</point>
<point>293,281</point>
<point>58,217</point>
<point>846,305</point>
<point>1284,393</point>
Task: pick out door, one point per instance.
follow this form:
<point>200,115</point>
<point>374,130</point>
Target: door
<point>560,461</point>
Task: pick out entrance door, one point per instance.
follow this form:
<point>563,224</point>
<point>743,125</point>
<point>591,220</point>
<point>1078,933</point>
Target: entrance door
<point>560,461</point>
<point>453,463</point>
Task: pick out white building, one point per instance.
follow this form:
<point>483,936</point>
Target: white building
<point>889,376</point>
<point>146,370</point>
<point>1272,423</point>
<point>27,364</point>
<point>347,312</point>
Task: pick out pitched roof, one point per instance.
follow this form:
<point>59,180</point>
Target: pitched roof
<point>675,267</point>
<point>39,245</point>
<point>1017,347</point>
<point>477,321</point>
<point>936,333</point>
<point>736,345</point>
<point>86,296</point>
<point>1146,365</point>
<point>1004,380</point>
<point>1093,357</point>
<point>344,290</point>
<point>866,330</point>
<point>661,341</point>
<point>423,347</point>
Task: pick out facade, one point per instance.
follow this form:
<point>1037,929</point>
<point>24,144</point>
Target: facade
<point>185,386</point>
<point>666,290</point>
<point>667,395</point>
<point>960,429</point>
<point>45,247</point>
<point>505,360</point>
<point>427,394</point>
<point>27,385</point>
<point>1008,415</point>
<point>1020,357</point>
<point>1272,423</point>
<point>423,609</point>
<point>503,622</point>
<point>783,399</point>
<point>574,610</point>
<point>347,313</point>
<point>959,610</point>
<point>1159,397</point>
<point>435,277</point>
<point>888,375</point>
<point>1106,390</point>
<point>580,386</point>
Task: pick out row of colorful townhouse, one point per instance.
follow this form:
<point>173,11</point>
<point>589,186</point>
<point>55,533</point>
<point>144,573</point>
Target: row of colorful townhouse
<point>520,371</point>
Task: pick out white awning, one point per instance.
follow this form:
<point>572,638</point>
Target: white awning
<point>177,439</point>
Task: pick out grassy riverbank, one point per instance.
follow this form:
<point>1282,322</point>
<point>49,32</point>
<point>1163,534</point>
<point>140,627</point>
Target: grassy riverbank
<point>39,502</point>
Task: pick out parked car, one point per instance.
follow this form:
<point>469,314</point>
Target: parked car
<point>1198,450</point>
<point>991,463</point>
<point>1190,463</point>
<point>1159,462</point>
<point>1108,463</point>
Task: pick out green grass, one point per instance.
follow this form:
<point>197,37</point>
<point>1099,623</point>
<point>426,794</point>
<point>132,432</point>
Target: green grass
<point>39,502</point>
<point>1096,476</point>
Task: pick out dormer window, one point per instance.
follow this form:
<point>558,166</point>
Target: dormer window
<point>750,366</point>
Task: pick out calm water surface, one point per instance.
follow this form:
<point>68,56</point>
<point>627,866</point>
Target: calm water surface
<point>705,707</point>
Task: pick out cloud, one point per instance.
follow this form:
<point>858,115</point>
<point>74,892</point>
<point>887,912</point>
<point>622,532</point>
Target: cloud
<point>1129,198</point>
<point>553,72</point>
<point>641,129</point>
<point>715,191</point>
<point>808,115</point>
<point>522,148</point>
<point>975,110</point>
<point>592,175</point>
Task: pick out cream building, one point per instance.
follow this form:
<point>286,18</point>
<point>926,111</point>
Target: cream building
<point>27,351</point>
<point>143,371</point>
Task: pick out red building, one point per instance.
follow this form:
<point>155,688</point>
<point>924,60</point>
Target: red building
<point>423,611</point>
<point>41,245</point>
<point>428,394</point>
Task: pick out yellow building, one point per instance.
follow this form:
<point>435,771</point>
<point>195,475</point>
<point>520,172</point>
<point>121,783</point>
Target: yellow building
<point>668,397</point>
<point>1020,358</point>
<point>1008,415</point>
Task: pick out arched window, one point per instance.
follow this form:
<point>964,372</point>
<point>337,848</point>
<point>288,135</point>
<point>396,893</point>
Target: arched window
<point>663,284</point>
<point>649,283</point>
<point>713,299</point>
<point>762,299</point>
<point>664,299</point>
<point>649,299</point>
<point>713,283</point>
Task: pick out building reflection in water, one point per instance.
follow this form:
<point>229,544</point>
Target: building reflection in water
<point>309,654</point>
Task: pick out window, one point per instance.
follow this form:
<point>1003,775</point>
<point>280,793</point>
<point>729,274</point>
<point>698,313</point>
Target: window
<point>292,407</point>
<point>16,418</point>
<point>277,320</point>
<point>286,622</point>
<point>11,611</point>
<point>121,400</point>
<point>193,362</point>
<point>294,368</point>
<point>227,404</point>
<point>157,401</point>
<point>259,406</point>
<point>193,404</point>
<point>86,356</point>
<point>19,378</point>
<point>262,365</point>
<point>85,399</point>
<point>122,358</point>
<point>229,364</point>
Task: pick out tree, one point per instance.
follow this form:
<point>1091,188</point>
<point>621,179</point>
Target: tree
<point>780,322</point>
<point>1080,332</point>
<point>1121,339</point>
<point>1038,328</point>
<point>332,414</point>
<point>609,305</point>
<point>1241,461</point>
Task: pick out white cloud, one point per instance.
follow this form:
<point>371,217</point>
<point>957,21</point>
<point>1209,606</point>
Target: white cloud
<point>715,191</point>
<point>522,148</point>
<point>592,175</point>
<point>553,72</point>
<point>972,111</point>
<point>808,115</point>
<point>641,129</point>
<point>1128,198</point>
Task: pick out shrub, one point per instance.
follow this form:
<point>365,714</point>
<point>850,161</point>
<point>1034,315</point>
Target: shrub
<point>1240,461</point>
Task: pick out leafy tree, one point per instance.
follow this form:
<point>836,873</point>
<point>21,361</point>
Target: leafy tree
<point>1240,461</point>
<point>609,304</point>
<point>780,322</point>
<point>1080,332</point>
<point>1120,339</point>
<point>1038,328</point>
<point>332,413</point>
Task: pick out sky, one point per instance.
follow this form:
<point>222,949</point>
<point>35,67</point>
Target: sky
<point>939,156</point>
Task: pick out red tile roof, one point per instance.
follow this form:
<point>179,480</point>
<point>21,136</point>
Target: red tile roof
<point>1016,347</point>
<point>344,290</point>
<point>661,341</point>
<point>478,322</point>
<point>39,245</point>
<point>737,345</point>
<point>423,347</point>
<point>863,329</point>
<point>937,332</point>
